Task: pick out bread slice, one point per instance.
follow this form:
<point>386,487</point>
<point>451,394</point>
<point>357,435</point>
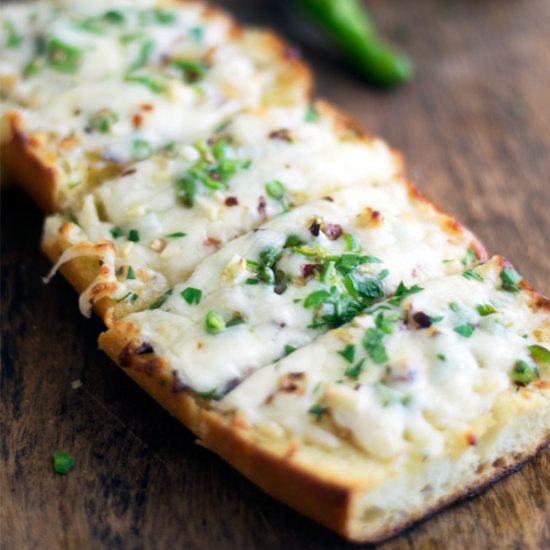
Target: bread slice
<point>281,286</point>
<point>166,214</point>
<point>78,120</point>
<point>385,420</point>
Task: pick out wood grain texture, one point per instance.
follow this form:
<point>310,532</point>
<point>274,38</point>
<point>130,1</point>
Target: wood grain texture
<point>475,129</point>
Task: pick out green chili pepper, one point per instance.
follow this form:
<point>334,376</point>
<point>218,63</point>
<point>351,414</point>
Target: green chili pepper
<point>349,26</point>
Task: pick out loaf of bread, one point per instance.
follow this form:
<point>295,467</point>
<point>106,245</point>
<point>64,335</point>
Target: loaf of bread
<point>263,266</point>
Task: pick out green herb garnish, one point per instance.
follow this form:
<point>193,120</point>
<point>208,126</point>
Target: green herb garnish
<point>130,274</point>
<point>355,371</point>
<point>289,349</point>
<point>62,56</point>
<point>63,462</point>
<point>523,373</point>
<point>133,235</point>
<point>318,411</point>
<point>402,292</point>
<point>176,235</point>
<point>373,341</point>
<point>116,232</point>
<point>159,302</point>
<point>485,309</point>
<point>465,330</point>
<point>141,149</point>
<point>214,322</point>
<point>192,295</point>
<point>469,274</point>
<point>539,353</point>
<point>311,114</point>
<point>103,120</point>
<point>510,278</point>
<point>348,353</point>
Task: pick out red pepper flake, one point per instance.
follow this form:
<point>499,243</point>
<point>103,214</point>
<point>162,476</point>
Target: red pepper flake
<point>261,206</point>
<point>147,107</point>
<point>333,231</point>
<point>209,241</point>
<point>471,438</point>
<point>422,320</point>
<point>231,201</point>
<point>315,228</point>
<point>137,120</point>
<point>215,176</point>
<point>282,134</point>
<point>309,269</point>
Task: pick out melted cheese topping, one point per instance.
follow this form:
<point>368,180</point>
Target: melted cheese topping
<point>103,90</point>
<point>408,379</point>
<point>284,284</point>
<point>107,42</point>
<point>146,199</point>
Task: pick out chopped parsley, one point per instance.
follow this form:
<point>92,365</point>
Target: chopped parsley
<point>289,349</point>
<point>485,309</point>
<point>192,295</point>
<point>63,462</point>
<point>373,342</point>
<point>351,243</point>
<point>133,235</point>
<point>251,281</point>
<point>214,322</point>
<point>510,278</point>
<point>355,371</point>
<point>402,292</point>
<point>348,353</point>
<point>465,330</point>
<point>164,17</point>
<point>130,274</point>
<point>441,357</point>
<point>176,235</point>
<point>523,373</point>
<point>453,306</point>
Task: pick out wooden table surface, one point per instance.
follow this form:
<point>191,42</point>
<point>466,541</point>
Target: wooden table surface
<point>475,129</point>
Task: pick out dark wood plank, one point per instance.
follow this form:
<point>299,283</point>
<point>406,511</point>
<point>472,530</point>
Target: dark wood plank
<point>475,128</point>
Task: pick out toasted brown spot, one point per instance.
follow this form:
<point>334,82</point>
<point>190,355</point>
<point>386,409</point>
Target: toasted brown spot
<point>128,172</point>
<point>282,134</point>
<point>137,120</point>
<point>209,241</point>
